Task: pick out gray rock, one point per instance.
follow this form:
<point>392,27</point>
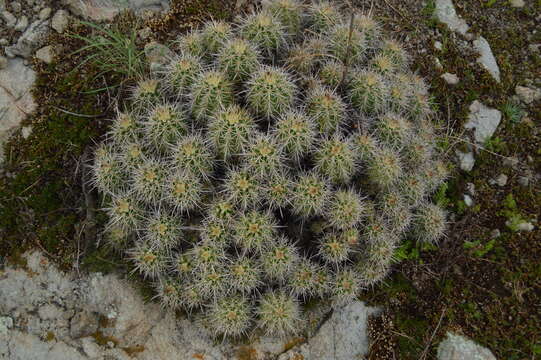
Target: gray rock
<point>6,323</point>
<point>60,21</point>
<point>107,10</point>
<point>2,5</point>
<point>495,234</point>
<point>510,162</point>
<point>484,120</point>
<point>4,41</point>
<point>9,19</point>
<point>525,226</point>
<point>486,58</point>
<point>470,188</point>
<point>46,54</point>
<point>342,337</point>
<point>524,181</point>
<point>83,324</point>
<point>456,347</point>
<point>528,95</point>
<point>30,40</point>
<point>45,13</point>
<point>450,79</point>
<point>438,45</point>
<point>16,102</point>
<point>22,24</point>
<point>16,7</point>
<point>26,131</point>
<point>49,312</point>
<point>517,3</point>
<point>3,62</point>
<point>446,13</point>
<point>157,53</point>
<point>468,200</point>
<point>466,160</point>
<point>501,180</point>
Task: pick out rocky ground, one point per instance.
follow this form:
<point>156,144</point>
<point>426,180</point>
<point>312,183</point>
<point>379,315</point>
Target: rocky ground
<point>482,59</point>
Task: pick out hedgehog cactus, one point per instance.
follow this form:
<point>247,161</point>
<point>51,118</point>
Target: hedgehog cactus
<point>251,176</point>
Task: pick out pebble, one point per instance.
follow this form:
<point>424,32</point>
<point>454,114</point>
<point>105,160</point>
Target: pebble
<point>45,54</point>
<point>501,180</point>
<point>468,200</point>
<point>438,64</point>
<point>3,62</point>
<point>4,42</point>
<point>45,13</point>
<point>22,24</point>
<point>524,181</point>
<point>450,79</point>
<point>495,234</point>
<point>438,45</point>
<point>525,226</point>
<point>466,160</point>
<point>60,21</point>
<point>9,19</point>
<point>510,162</point>
<point>16,6</point>
<point>517,3</point>
<point>470,188</point>
<point>528,95</point>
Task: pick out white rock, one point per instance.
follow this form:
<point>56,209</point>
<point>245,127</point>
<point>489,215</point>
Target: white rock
<point>470,188</point>
<point>446,13</point>
<point>3,62</point>
<point>22,24</point>
<point>438,64</point>
<point>438,45</point>
<point>450,79</point>
<point>90,348</point>
<point>45,13</point>
<point>16,6</point>
<point>486,58</point>
<point>501,180</point>
<point>6,323</point>
<point>26,131</point>
<point>528,95</point>
<point>525,226</point>
<point>46,54</point>
<point>468,200</point>
<point>107,10</point>
<point>30,40</point>
<point>495,234</point>
<point>456,347</point>
<point>60,21</point>
<point>9,19</point>
<point>484,120</point>
<point>466,160</point>
<point>524,181</point>
<point>49,312</point>
<point>16,101</point>
<point>517,3</point>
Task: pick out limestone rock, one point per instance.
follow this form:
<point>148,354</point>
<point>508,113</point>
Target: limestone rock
<point>450,79</point>
<point>16,102</point>
<point>486,58</point>
<point>528,95</point>
<point>456,347</point>
<point>30,40</point>
<point>517,3</point>
<point>446,13</point>
<point>106,10</point>
<point>60,21</point>
<point>46,54</point>
<point>483,120</point>
<point>9,19</point>
<point>45,13</point>
<point>22,24</point>
<point>466,160</point>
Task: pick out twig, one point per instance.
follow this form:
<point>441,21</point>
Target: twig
<point>477,146</point>
<point>346,60</point>
<point>425,351</point>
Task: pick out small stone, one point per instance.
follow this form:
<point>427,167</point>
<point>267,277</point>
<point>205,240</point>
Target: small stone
<point>470,188</point>
<point>450,79</point>
<point>45,13</point>
<point>49,312</point>
<point>110,344</point>
<point>46,54</point>
<point>9,19</point>
<point>525,226</point>
<point>528,95</point>
<point>22,24</point>
<point>446,13</point>
<point>438,64</point>
<point>456,347</point>
<point>6,323</point>
<point>145,33</point>
<point>501,180</point>
<point>4,41</point>
<point>465,160</point>
<point>16,7</point>
<point>26,131</point>
<point>524,181</point>
<point>438,45</point>
<point>484,120</point>
<point>90,348</point>
<point>158,53</point>
<point>60,21</point>
<point>534,48</point>
<point>495,234</point>
<point>510,162</point>
<point>3,62</point>
<point>468,200</point>
<point>486,58</point>
<point>517,3</point>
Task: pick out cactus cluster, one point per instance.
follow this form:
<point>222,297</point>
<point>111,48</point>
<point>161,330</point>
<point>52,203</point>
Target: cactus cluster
<point>253,173</point>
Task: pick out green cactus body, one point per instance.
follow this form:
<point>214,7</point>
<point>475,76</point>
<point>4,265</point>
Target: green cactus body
<point>347,44</point>
<point>164,125</point>
<point>323,16</point>
<point>368,92</point>
<point>296,131</point>
<point>265,30</point>
<point>214,35</point>
<point>245,274</point>
<point>231,130</point>
<point>230,316</point>
<point>254,231</point>
<point>162,231</point>
<point>345,285</point>
<point>288,12</point>
<point>310,195</point>
<point>149,261</point>
<point>168,291</point>
<point>278,191</point>
<point>211,92</point>
<point>393,130</point>
<point>279,259</point>
<point>335,159</point>
<point>305,58</point>
<point>331,73</point>
<point>279,314</point>
<point>242,188</point>
<point>264,156</point>
<point>345,209</point>
<point>333,249</point>
<point>327,109</point>
<point>270,91</point>
<point>384,168</point>
<point>181,73</point>
<point>193,154</point>
<point>192,44</point>
<point>366,25</point>
<point>108,170</point>
<point>183,191</point>
<point>145,92</point>
<point>238,59</point>
<point>429,223</point>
